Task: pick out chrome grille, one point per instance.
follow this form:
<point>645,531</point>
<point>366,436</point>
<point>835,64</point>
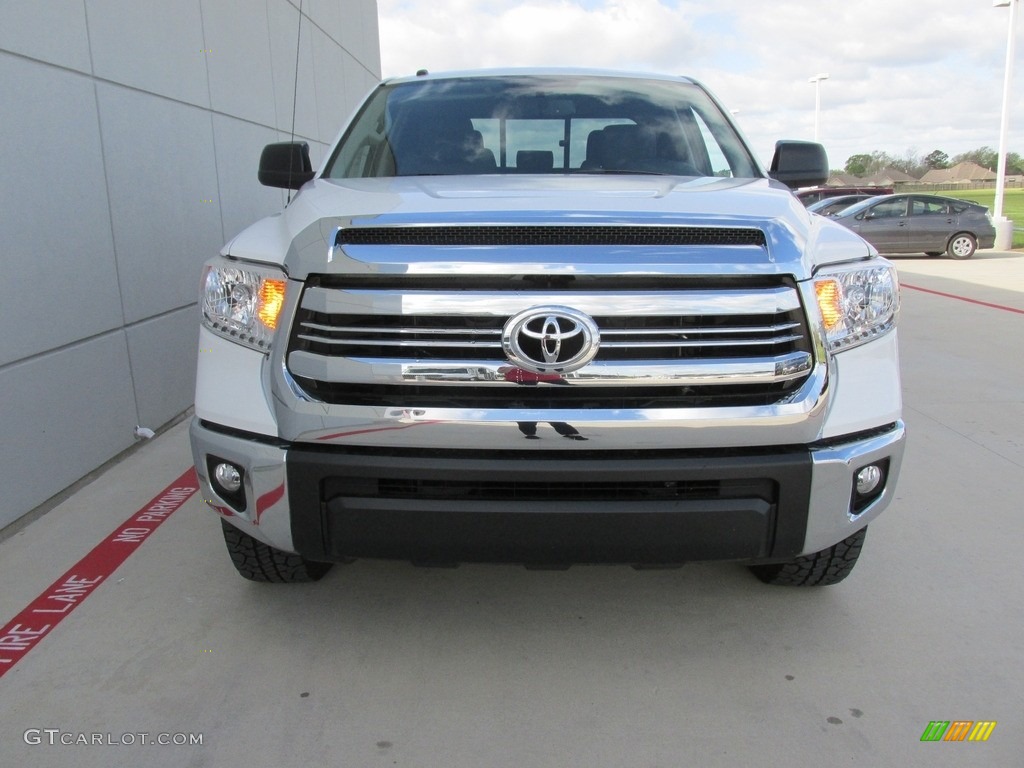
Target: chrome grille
<point>645,338</point>
<point>740,341</point>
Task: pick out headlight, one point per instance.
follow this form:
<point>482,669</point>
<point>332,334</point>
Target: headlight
<point>243,304</point>
<point>856,303</point>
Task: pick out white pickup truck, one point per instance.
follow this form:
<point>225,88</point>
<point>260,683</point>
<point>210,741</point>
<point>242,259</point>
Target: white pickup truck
<point>547,317</point>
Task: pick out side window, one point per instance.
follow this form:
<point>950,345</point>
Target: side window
<point>928,208</point>
<point>889,209</point>
<point>719,163</point>
<point>365,153</point>
<point>359,165</point>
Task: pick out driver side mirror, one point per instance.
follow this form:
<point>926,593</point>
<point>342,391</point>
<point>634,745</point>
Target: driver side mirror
<point>799,164</point>
<point>285,165</point>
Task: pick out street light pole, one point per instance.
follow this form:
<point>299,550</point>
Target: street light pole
<point>1004,228</point>
<point>817,99</point>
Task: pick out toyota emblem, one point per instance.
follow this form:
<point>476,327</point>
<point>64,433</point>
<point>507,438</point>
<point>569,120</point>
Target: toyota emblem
<point>550,339</point>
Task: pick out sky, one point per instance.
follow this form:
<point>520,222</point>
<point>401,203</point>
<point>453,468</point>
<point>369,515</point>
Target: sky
<point>905,76</point>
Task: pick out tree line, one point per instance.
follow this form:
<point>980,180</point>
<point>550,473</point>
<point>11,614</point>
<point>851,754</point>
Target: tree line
<point>918,165</point>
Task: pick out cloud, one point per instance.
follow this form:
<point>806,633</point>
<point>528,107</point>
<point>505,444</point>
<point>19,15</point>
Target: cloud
<point>903,73</point>
<point>459,34</point>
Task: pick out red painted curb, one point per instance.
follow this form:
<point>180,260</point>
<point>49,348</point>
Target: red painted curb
<point>989,304</point>
<point>22,633</point>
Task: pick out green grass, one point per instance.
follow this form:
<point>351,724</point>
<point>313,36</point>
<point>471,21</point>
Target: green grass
<point>1013,206</point>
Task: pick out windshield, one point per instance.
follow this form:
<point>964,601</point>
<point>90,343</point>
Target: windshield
<point>540,124</point>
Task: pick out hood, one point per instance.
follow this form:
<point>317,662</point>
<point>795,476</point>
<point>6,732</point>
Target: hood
<point>304,237</point>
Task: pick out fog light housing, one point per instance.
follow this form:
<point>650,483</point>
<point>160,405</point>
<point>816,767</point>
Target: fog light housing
<point>228,481</point>
<point>868,479</point>
<point>868,484</point>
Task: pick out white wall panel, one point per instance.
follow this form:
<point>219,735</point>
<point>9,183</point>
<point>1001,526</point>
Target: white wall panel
<point>329,80</point>
<point>65,41</point>
<point>55,241</point>
<point>241,78</point>
<point>164,201</point>
<point>131,132</point>
<point>350,31</point>
<point>369,54</point>
<point>153,46</point>
<point>327,15</point>
<point>283,19</point>
<point>63,415</point>
<point>242,199</point>
<point>163,359</point>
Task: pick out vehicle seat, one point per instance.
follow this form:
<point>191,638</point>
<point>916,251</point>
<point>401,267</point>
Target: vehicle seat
<point>429,143</point>
<point>627,147</point>
<point>479,157</point>
<point>535,161</point>
<point>595,147</point>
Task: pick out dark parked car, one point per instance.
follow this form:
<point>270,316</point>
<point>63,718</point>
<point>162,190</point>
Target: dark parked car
<point>921,223</point>
<point>808,196</point>
<point>830,206</point>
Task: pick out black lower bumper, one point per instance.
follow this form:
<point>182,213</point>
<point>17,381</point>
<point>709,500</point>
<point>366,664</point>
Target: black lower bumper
<point>549,509</point>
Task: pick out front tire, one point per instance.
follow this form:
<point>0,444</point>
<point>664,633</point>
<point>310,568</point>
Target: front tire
<point>829,566</point>
<point>257,561</point>
<point>962,246</point>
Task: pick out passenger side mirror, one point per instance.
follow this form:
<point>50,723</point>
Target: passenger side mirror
<point>285,165</point>
<point>799,164</point>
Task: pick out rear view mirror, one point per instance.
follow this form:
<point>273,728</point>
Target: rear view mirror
<point>799,164</point>
<point>285,165</point>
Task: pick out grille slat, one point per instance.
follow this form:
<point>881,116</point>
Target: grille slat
<point>700,330</point>
<point>718,343</point>
<point>378,329</point>
<point>403,343</point>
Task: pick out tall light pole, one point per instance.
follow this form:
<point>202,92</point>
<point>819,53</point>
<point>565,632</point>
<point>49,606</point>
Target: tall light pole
<point>1004,228</point>
<point>817,99</point>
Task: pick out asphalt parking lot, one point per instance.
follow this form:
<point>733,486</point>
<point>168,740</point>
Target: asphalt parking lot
<point>384,664</point>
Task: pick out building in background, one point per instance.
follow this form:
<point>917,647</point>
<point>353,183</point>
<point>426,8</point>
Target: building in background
<point>961,173</point>
<point>130,137</point>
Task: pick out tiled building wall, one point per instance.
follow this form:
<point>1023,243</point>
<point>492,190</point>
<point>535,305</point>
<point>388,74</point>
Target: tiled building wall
<point>130,136</point>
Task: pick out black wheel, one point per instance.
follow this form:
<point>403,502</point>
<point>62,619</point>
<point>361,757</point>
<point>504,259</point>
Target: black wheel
<point>257,561</point>
<point>830,566</point>
<point>962,246</point>
<point>933,254</point>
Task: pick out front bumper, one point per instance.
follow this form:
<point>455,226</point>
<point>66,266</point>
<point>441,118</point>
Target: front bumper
<point>752,504</point>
